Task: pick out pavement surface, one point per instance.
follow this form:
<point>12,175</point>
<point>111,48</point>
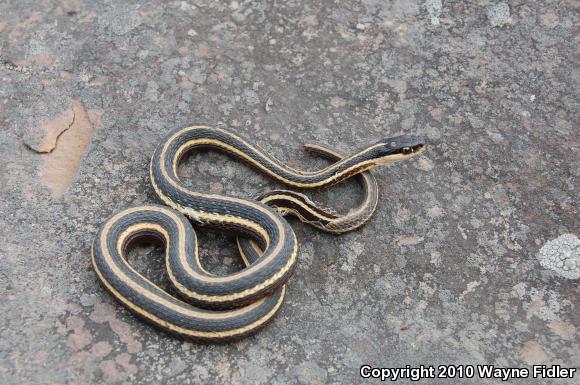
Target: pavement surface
<point>472,257</point>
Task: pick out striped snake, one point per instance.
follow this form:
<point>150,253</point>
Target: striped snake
<point>221,308</point>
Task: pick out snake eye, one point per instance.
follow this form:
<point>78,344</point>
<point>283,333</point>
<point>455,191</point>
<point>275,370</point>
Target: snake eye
<point>407,150</point>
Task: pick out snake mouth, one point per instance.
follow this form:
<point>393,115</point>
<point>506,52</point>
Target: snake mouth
<point>400,148</point>
<point>411,150</point>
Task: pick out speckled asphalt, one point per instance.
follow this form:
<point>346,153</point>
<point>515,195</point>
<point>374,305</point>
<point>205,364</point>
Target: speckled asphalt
<point>472,257</point>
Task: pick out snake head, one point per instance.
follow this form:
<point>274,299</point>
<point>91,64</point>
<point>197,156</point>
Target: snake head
<point>399,148</point>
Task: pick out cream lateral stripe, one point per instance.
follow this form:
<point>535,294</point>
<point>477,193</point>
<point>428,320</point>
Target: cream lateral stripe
<point>243,222</point>
<point>181,250</point>
<point>208,216</point>
<point>212,217</point>
<point>244,272</point>
<point>281,164</point>
<point>163,168</point>
<point>204,215</point>
<point>184,307</point>
<point>317,149</point>
<point>241,140</point>
<point>369,182</point>
<point>153,226</point>
<point>278,177</point>
<point>292,199</point>
<point>134,229</point>
<point>241,294</point>
<point>255,247</point>
<point>185,265</point>
<point>363,206</point>
<point>219,197</point>
<point>244,258</point>
<point>184,331</point>
<point>252,245</point>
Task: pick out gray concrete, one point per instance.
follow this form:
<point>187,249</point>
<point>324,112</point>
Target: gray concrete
<point>449,271</point>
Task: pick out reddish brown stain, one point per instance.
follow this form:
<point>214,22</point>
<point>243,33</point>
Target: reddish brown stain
<point>80,336</point>
<point>101,349</point>
<point>533,353</point>
<point>409,240</point>
<point>563,329</point>
<point>43,137</point>
<point>61,166</point>
<point>202,51</point>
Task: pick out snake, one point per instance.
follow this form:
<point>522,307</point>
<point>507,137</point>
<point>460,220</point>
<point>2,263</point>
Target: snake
<point>222,308</point>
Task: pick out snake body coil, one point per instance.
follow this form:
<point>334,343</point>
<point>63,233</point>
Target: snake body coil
<point>221,308</point>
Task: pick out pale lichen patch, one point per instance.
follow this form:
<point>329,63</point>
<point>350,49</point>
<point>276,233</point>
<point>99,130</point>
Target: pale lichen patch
<point>562,255</point>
